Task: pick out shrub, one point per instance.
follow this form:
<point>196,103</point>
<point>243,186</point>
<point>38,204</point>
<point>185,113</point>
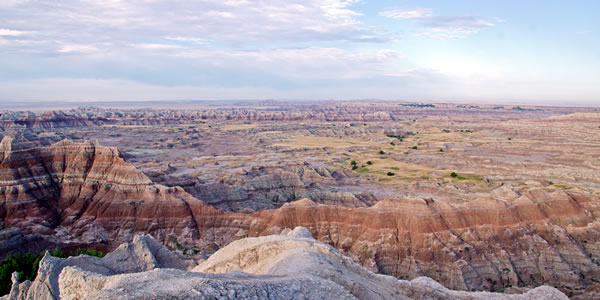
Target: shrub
<point>381,152</point>
<point>27,265</point>
<point>390,174</point>
<point>354,167</point>
<point>57,252</point>
<point>441,150</point>
<point>453,174</point>
<point>415,147</point>
<point>353,163</point>
<point>90,252</point>
<point>369,162</point>
<point>293,196</point>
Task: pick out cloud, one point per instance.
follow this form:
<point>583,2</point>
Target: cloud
<point>441,27</point>
<point>400,14</point>
<point>10,32</point>
<point>187,39</point>
<point>417,84</point>
<point>158,46</point>
<point>278,44</point>
<point>462,25</point>
<point>10,3</point>
<point>112,25</point>
<point>76,48</point>
<point>297,64</point>
<point>87,89</point>
<point>171,65</point>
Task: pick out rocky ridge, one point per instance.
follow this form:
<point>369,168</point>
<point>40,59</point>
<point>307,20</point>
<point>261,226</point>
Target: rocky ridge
<point>283,266</point>
<point>278,111</point>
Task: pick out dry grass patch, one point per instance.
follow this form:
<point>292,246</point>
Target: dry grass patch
<point>319,142</point>
<point>234,127</point>
<point>380,167</point>
<point>126,126</point>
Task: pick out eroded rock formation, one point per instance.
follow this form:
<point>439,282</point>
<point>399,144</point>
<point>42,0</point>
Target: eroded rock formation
<point>83,193</point>
<point>271,267</point>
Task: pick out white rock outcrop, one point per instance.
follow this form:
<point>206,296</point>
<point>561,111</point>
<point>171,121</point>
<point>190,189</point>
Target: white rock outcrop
<point>287,266</point>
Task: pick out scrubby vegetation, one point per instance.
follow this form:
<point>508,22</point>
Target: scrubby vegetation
<point>27,265</point>
<point>399,137</point>
<point>465,177</point>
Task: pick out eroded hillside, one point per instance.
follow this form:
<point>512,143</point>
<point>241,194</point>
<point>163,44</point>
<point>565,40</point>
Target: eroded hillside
<point>477,198</point>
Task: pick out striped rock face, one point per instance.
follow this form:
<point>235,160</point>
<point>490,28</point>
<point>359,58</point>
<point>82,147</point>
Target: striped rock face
<point>83,193</point>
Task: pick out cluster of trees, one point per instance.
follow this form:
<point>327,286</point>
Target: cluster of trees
<point>399,137</point>
<point>27,265</point>
<point>362,167</point>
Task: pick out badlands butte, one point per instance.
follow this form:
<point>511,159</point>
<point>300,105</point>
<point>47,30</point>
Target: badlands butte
<point>499,198</point>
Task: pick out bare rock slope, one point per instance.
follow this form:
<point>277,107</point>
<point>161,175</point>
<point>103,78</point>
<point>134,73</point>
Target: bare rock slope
<point>284,266</point>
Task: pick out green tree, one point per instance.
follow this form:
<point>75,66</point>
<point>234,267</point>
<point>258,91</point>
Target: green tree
<point>27,265</point>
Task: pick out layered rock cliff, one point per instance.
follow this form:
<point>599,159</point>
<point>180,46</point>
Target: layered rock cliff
<point>272,267</point>
<point>83,193</point>
<point>80,192</point>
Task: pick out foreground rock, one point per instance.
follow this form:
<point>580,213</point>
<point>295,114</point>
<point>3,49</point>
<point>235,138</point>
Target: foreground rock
<point>271,267</point>
<point>143,254</point>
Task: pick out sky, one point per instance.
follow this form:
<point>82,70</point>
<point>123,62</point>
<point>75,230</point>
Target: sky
<point>538,52</point>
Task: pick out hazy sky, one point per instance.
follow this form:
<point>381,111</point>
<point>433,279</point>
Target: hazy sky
<point>545,51</point>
